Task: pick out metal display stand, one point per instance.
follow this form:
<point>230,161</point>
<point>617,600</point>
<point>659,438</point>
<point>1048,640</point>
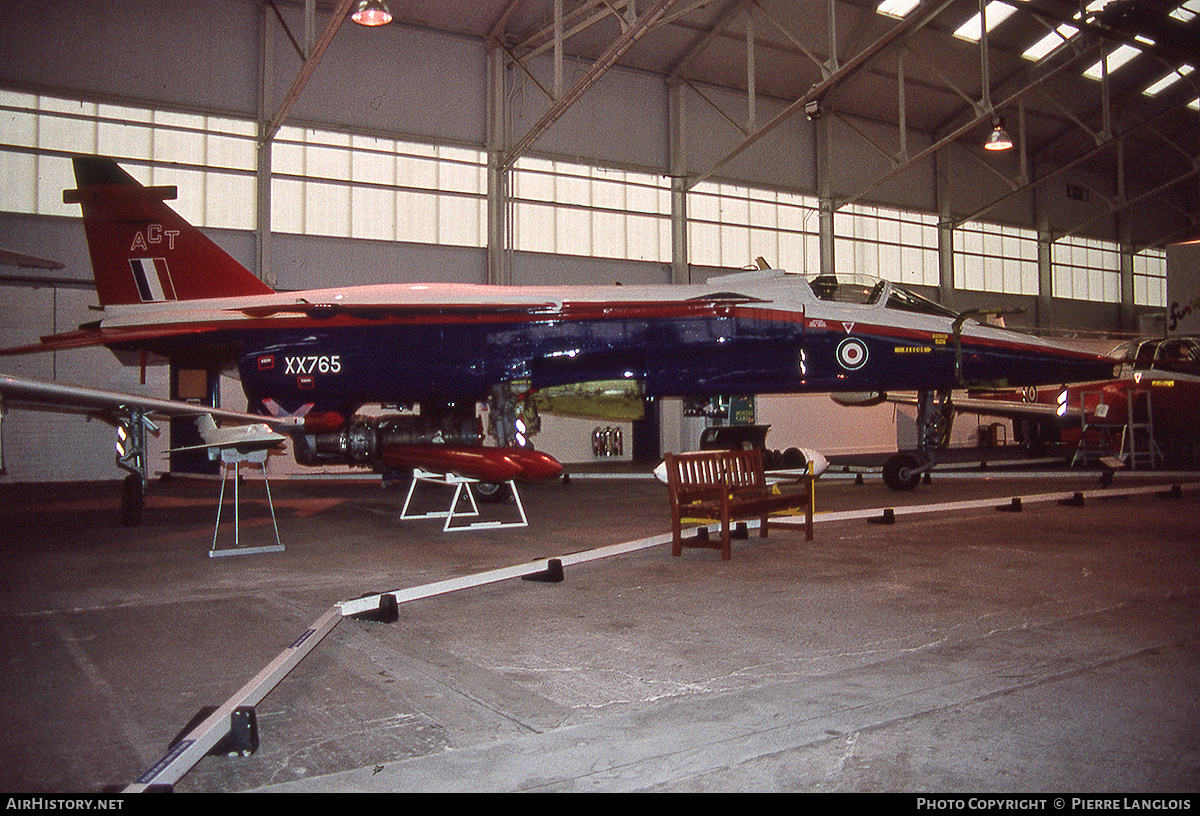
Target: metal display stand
<point>462,485</point>
<point>232,460</point>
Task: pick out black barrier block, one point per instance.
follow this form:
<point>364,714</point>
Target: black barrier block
<point>1074,501</point>
<point>740,530</point>
<point>387,611</point>
<point>888,517</point>
<point>1175,492</point>
<point>1012,507</point>
<point>242,739</point>
<point>553,574</point>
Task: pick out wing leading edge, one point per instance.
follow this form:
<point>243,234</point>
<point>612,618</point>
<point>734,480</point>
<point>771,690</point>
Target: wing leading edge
<point>39,395</point>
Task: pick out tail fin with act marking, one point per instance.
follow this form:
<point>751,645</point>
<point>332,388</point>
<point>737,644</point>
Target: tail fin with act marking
<point>142,250</point>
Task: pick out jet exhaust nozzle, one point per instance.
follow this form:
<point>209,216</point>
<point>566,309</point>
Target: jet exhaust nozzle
<point>363,440</point>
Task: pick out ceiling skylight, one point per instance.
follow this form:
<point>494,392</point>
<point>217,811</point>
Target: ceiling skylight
<point>1187,11</point>
<point>1169,80</point>
<point>1116,58</point>
<point>997,12</point>
<point>1051,41</point>
<point>1061,34</point>
<point>897,8</point>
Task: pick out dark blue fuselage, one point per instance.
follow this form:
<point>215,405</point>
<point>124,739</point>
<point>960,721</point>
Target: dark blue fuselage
<point>340,365</point>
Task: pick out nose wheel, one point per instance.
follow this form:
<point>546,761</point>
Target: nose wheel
<point>935,418</point>
<point>904,470</point>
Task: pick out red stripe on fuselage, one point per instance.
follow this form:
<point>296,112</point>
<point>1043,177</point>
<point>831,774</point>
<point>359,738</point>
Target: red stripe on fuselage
<point>369,315</point>
<point>344,317</point>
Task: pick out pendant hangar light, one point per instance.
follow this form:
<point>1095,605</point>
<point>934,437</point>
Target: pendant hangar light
<point>371,13</point>
<point>998,139</point>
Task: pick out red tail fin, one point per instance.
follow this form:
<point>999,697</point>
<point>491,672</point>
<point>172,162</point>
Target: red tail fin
<point>141,249</point>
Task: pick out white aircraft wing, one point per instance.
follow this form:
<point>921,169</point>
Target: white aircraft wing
<point>38,395</point>
<point>1009,409</point>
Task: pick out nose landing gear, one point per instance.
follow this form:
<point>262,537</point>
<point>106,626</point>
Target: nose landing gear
<point>935,418</point>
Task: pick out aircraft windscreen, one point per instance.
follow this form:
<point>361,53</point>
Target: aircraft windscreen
<point>1180,354</point>
<point>1127,352</point>
<point>866,291</point>
<point>858,289</point>
<point>908,301</point>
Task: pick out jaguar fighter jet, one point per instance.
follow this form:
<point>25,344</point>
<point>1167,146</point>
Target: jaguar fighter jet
<point>310,360</point>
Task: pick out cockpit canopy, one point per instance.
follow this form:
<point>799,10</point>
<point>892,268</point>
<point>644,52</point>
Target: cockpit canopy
<point>1178,354</point>
<point>853,288</point>
<point>866,290</point>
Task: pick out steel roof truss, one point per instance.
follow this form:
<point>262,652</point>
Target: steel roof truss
<point>838,76</point>
<point>615,51</point>
<point>1058,171</point>
<point>953,135</point>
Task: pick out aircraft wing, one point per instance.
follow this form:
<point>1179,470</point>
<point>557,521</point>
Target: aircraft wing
<point>93,336</point>
<point>38,395</point>
<point>998,407</point>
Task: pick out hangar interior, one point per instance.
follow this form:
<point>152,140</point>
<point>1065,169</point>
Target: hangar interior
<point>576,142</point>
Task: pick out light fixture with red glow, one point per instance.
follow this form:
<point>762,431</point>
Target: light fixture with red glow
<point>371,13</point>
<point>998,139</point>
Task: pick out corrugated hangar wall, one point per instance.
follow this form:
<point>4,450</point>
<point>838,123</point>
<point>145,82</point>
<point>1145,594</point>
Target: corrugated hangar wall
<point>202,56</point>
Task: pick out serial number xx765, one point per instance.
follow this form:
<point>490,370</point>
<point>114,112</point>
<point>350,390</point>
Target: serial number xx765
<point>313,364</point>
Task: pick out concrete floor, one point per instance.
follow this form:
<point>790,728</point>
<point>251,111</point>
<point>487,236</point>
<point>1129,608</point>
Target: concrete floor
<point>963,650</point>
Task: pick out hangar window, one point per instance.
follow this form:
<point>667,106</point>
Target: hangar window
<point>731,225</point>
<point>1086,269</point>
<point>996,258</point>
<point>209,158</point>
<point>1150,278</point>
<point>576,209</point>
<point>885,243</point>
<point>356,186</point>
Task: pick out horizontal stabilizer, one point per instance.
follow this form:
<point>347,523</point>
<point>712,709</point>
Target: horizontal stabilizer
<point>10,258</point>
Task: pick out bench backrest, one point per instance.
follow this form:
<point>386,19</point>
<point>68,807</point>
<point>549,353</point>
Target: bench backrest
<point>700,471</point>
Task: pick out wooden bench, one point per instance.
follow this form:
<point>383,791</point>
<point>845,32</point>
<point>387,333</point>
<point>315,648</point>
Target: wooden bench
<point>727,486</point>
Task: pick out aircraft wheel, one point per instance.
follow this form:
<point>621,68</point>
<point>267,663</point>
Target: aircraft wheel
<point>491,492</point>
<point>133,500</point>
<point>900,472</point>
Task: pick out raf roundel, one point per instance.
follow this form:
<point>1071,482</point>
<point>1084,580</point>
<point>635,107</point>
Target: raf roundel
<point>852,354</point>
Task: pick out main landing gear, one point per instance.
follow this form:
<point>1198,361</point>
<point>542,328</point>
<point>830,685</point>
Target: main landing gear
<point>935,418</point>
<point>512,418</point>
<point>131,457</point>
